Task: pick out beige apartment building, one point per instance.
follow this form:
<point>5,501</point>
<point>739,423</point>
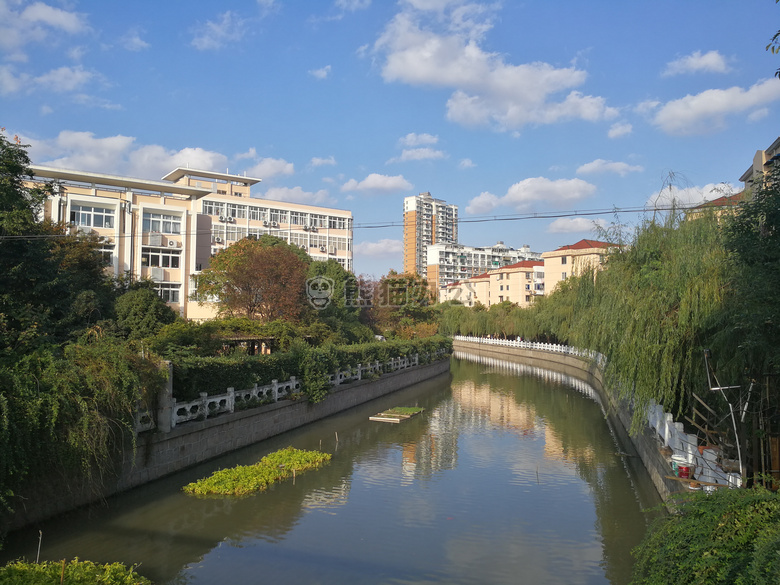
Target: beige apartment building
<point>573,260</point>
<point>451,263</point>
<point>517,283</point>
<point>763,161</point>
<point>168,230</point>
<point>427,221</point>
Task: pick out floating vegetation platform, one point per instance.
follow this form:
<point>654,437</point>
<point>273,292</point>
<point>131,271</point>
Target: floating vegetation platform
<point>397,414</point>
<point>247,479</point>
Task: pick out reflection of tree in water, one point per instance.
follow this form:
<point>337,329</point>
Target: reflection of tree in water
<point>533,406</point>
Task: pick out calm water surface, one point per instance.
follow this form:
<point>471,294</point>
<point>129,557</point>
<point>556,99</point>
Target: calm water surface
<point>507,477</point>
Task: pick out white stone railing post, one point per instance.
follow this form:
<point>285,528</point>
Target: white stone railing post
<point>165,403</point>
<point>275,390</point>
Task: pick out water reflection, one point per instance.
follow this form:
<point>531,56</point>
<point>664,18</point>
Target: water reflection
<point>504,478</point>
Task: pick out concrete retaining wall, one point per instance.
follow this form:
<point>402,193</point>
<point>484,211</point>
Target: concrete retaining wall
<point>160,454</point>
<point>642,449</point>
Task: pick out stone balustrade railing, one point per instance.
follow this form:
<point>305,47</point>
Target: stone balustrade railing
<point>209,405</point>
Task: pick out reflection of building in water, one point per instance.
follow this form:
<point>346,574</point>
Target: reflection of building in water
<point>436,450</point>
<point>503,409</point>
<point>330,498</point>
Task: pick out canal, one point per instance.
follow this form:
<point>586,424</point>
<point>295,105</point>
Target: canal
<point>510,475</point>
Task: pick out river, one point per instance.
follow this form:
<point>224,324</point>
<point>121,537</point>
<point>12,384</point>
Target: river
<point>510,475</point>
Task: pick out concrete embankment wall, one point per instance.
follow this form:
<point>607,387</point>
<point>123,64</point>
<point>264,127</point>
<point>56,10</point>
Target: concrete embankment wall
<point>160,454</point>
<point>642,448</point>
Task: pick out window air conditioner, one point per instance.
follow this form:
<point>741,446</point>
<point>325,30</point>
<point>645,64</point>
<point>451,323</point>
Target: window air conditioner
<point>274,224</point>
<point>323,249</point>
<point>221,218</point>
<point>218,240</point>
<point>173,244</point>
<point>265,223</point>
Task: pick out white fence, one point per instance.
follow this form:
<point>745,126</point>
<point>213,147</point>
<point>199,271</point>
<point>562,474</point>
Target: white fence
<point>551,347</point>
<point>212,405</point>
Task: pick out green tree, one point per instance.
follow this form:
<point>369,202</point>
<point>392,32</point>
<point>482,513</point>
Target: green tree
<point>141,313</point>
<point>256,278</point>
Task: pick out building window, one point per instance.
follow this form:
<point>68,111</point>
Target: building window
<point>88,216</point>
<point>258,213</point>
<point>106,252</point>
<point>527,298</point>
<point>160,257</point>
<point>563,259</point>
<point>236,211</point>
<point>161,222</point>
<point>168,292</point>
<point>563,276</point>
<point>213,208</point>
<point>527,287</point>
<point>501,287</point>
<point>337,223</point>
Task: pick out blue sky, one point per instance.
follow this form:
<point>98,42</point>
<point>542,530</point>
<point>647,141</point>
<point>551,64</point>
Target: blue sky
<point>503,108</point>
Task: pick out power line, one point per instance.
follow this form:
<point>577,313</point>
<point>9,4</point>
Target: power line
<point>544,215</point>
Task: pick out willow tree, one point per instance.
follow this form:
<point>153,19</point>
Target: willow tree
<point>654,309</point>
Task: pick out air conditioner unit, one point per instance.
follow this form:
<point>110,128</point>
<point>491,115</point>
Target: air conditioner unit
<point>306,228</point>
<point>314,229</point>
<point>323,249</point>
<point>231,219</point>
<point>173,244</point>
<point>265,223</point>
<point>221,218</point>
<point>274,224</point>
<point>218,240</point>
<point>303,247</point>
<point>334,251</point>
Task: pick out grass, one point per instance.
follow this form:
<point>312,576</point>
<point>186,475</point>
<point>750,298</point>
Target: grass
<point>75,572</point>
<point>403,411</point>
<point>247,479</point>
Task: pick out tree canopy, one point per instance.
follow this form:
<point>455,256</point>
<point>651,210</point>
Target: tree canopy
<point>256,278</point>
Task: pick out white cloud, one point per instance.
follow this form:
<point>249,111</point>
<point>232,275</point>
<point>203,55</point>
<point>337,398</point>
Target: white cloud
<point>380,249</point>
<point>267,168</point>
<point>376,183</point>
<point>607,166</point>
<point>707,112</point>
<point>619,129</point>
<point>418,154</point>
<point>352,5</point>
<point>413,139</point>
<point>525,193</point>
<point>570,225</point>
<point>251,154</point>
<point>60,80</point>
<point>466,163</point>
<point>486,89</point>
<point>215,34</point>
<point>36,23</point>
<point>118,155</point>
<point>93,101</point>
<point>711,62</point>
<point>318,162</point>
<point>132,41</point>
<point>687,196</point>
<point>298,195</point>
<point>321,73</point>
<point>64,79</point>
<point>483,203</point>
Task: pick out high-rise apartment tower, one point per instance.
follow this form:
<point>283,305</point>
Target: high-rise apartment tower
<point>426,221</point>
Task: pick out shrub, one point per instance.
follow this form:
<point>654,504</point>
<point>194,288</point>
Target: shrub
<point>75,572</point>
<point>246,479</point>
